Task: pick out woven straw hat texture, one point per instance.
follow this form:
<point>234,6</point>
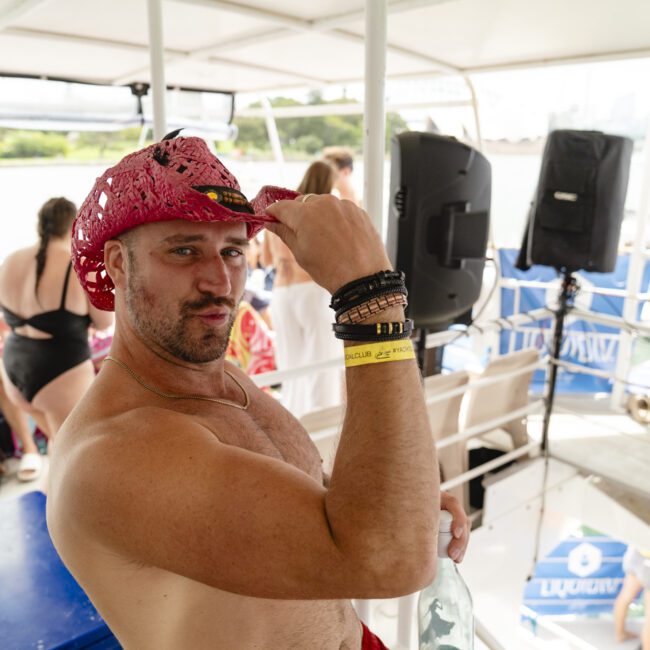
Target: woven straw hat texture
<point>150,185</point>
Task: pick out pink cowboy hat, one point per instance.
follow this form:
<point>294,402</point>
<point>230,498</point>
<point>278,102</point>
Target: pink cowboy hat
<point>177,178</point>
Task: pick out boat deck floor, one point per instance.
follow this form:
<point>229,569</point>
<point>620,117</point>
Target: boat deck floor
<point>585,433</point>
<point>10,486</point>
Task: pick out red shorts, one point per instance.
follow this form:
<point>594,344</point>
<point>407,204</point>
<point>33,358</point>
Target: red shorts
<point>370,641</point>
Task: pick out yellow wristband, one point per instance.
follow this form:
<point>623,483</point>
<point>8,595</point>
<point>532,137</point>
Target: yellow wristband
<point>361,355</point>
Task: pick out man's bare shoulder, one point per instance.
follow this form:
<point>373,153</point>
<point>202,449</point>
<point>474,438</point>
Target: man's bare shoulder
<point>96,452</point>
<point>141,421</point>
<point>145,431</point>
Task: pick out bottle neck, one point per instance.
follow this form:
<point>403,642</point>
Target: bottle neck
<point>444,539</point>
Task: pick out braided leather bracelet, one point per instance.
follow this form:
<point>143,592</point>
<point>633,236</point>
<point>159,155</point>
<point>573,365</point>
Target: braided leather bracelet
<point>367,286</point>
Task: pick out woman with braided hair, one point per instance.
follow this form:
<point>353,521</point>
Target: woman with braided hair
<point>46,360</point>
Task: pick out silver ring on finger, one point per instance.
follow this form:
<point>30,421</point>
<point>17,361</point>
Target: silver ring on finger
<point>306,197</point>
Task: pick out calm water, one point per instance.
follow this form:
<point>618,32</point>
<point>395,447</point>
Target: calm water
<point>23,189</point>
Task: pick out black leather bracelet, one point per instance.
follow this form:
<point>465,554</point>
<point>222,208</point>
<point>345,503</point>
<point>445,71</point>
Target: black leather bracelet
<point>366,285</point>
<point>371,339</point>
<point>374,332</point>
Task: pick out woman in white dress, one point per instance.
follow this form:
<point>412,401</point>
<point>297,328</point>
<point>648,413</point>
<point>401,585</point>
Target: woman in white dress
<point>302,318</point>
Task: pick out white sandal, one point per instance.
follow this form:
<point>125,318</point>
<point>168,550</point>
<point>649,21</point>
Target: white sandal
<point>30,468</point>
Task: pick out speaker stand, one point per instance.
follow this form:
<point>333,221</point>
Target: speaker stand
<point>429,360</point>
<point>567,295</point>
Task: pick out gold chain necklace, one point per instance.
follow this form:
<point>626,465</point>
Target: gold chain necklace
<point>218,400</point>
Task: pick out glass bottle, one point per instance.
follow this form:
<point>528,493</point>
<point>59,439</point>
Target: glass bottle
<point>445,619</point>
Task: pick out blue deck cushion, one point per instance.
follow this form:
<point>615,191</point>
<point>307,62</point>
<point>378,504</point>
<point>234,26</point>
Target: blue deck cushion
<point>41,604</point>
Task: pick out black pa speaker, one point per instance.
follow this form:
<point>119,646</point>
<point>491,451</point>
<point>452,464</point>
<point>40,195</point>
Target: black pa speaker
<point>438,224</point>
<point>575,219</point>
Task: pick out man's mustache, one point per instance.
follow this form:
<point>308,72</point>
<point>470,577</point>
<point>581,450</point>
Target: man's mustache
<point>208,301</point>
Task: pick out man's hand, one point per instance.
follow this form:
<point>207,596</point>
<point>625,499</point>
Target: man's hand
<point>460,526</point>
<point>333,240</point>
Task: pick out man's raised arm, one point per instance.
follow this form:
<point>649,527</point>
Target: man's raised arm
<point>383,498</point>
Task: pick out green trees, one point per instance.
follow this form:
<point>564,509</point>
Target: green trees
<point>300,136</point>
<point>78,146</point>
<point>33,144</point>
<point>308,135</point>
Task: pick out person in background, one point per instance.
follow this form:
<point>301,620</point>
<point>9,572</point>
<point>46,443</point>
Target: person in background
<point>636,565</point>
<point>342,160</point>
<point>250,346</point>
<point>46,358</point>
<point>30,465</point>
<point>251,343</point>
<point>256,294</point>
<point>301,316</point>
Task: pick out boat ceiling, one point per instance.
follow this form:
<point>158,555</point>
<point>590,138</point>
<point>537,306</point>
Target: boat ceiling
<point>268,45</point>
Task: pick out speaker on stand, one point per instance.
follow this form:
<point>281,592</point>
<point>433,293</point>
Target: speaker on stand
<point>437,230</point>
<point>575,219</point>
<point>574,223</point>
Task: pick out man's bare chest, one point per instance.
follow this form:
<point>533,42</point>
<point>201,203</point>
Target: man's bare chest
<point>270,431</point>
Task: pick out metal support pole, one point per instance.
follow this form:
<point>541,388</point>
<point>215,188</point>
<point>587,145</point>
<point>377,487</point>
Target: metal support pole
<point>374,118</point>
<point>515,310</point>
<point>362,608</point>
<point>274,137</point>
<point>405,618</point>
<point>157,61</point>
<point>477,121</point>
<point>374,139</point>
<point>142,138</point>
<point>567,295</point>
<point>633,283</point>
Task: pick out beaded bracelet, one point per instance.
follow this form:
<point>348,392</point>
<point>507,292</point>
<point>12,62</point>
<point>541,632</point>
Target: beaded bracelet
<point>372,306</point>
<point>375,332</point>
<point>367,298</point>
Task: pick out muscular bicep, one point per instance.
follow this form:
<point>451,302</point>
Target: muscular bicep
<point>233,519</point>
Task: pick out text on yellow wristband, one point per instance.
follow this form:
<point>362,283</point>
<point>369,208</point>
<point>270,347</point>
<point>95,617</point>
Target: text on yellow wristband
<point>361,355</point>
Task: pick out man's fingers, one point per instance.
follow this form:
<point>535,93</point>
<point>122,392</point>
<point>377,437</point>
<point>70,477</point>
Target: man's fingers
<point>457,547</point>
<point>286,212</point>
<point>460,526</point>
<point>333,240</point>
<point>282,231</point>
<point>452,505</point>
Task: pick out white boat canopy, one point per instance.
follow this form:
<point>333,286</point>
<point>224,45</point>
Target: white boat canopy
<point>267,45</point>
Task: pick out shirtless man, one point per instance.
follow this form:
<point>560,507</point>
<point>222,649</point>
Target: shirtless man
<point>189,505</point>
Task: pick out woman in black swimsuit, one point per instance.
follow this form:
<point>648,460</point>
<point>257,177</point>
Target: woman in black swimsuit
<point>46,358</point>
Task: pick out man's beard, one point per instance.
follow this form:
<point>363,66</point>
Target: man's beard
<point>174,334</point>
